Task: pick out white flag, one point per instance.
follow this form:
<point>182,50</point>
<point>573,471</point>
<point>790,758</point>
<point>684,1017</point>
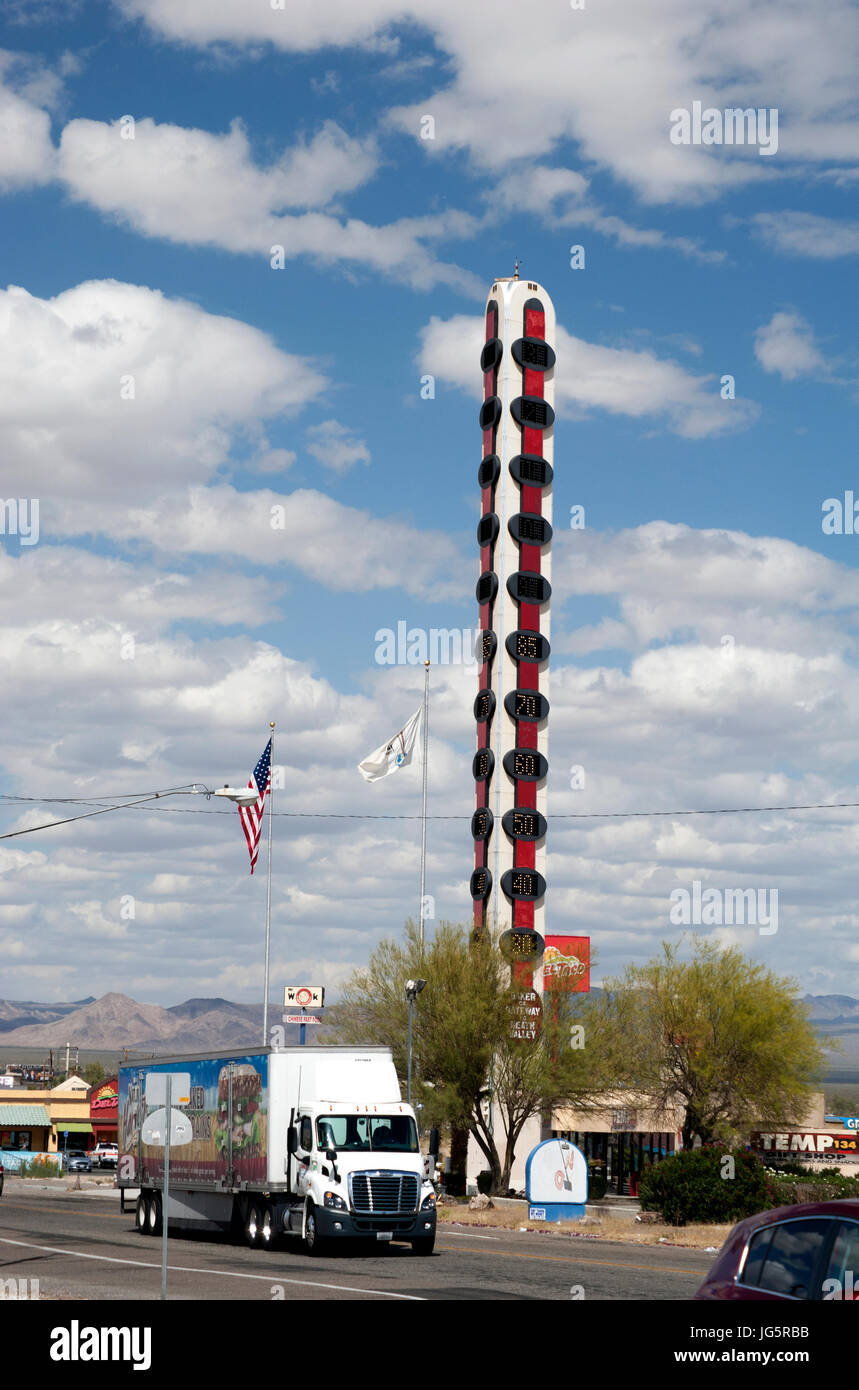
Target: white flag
<point>397,752</point>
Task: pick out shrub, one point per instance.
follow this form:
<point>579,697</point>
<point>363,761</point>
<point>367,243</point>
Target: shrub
<point>690,1187</point>
<point>799,1184</point>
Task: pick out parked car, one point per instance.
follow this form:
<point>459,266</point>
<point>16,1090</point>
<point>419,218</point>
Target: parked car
<point>105,1155</point>
<point>76,1161</point>
<point>1,1179</point>
<point>790,1254</point>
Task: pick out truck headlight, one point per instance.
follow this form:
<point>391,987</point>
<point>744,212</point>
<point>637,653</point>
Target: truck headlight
<point>333,1199</point>
<point>428,1202</point>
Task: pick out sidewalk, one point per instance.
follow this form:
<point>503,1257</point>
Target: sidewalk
<point>59,1187</point>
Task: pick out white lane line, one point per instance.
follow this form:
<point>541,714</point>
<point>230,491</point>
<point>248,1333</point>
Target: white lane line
<point>272,1278</point>
<point>469,1235</point>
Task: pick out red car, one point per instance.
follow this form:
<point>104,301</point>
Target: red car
<point>790,1254</point>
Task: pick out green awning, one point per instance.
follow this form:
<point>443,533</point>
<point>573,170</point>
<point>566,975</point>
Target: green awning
<point>64,1126</point>
<point>21,1116</point>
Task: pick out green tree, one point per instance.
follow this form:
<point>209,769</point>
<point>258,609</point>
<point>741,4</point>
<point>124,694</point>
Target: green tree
<point>464,1060</point>
<point>93,1073</point>
<point>720,1034</point>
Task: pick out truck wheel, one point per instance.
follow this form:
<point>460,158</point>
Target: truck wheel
<point>268,1228</point>
<point>141,1215</point>
<point>424,1245</point>
<point>253,1226</point>
<point>314,1244</point>
<point>153,1214</point>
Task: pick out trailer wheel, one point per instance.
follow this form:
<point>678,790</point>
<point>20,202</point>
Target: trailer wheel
<point>141,1215</point>
<point>253,1226</point>
<point>153,1214</point>
<point>314,1244</point>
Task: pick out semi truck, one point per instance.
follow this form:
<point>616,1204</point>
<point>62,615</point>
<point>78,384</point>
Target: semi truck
<point>314,1143</point>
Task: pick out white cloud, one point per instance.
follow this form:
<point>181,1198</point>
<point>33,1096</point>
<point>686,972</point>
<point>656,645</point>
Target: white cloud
<point>273,528</point>
<point>607,76</point>
<point>204,189</point>
<point>808,234</point>
<point>201,383</point>
<point>335,446</point>
<point>786,345</point>
<point>27,155</point>
<point>590,376</point>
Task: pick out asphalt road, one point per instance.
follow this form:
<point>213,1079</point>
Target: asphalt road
<point>83,1247</point>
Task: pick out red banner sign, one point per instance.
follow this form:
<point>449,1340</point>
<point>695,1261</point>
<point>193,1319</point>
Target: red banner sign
<point>567,964</point>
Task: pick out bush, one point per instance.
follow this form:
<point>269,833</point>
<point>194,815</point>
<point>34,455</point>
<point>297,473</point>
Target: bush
<point>795,1184</point>
<point>34,1169</point>
<point>690,1187</point>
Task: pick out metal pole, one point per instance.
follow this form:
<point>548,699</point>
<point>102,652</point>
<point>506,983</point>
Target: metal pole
<point>424,800</point>
<point>409,1088</point>
<point>166,1194</point>
<point>303,1028</point>
<point>265,1037</point>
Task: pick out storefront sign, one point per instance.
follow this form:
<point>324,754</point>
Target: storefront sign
<point>800,1142</point>
<point>566,964</point>
<point>526,1015</point>
<point>624,1119</point>
<point>556,1181</point>
<point>848,1121</point>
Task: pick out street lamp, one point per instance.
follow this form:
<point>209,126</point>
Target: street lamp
<point>413,989</point>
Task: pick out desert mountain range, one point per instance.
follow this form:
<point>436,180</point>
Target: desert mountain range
<point>205,1025</point>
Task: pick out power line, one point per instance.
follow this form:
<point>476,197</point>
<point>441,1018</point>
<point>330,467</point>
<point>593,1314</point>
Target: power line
<point>147,799</point>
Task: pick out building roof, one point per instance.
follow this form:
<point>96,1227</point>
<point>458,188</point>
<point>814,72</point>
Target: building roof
<point>23,1115</point>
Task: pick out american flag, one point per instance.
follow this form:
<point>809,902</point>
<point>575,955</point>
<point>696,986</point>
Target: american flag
<point>252,815</point>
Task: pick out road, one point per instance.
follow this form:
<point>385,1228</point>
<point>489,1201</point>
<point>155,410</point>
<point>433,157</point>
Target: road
<point>83,1247</point>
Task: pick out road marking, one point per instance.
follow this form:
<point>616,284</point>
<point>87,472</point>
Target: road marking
<point>570,1259</point>
<point>468,1235</point>
<point>273,1278</point>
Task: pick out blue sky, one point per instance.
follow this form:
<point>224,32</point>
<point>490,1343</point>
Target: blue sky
<point>257,387</point>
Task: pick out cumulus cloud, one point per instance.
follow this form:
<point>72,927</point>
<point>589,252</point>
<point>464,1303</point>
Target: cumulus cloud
<point>27,155</point>
<point>786,345</point>
<point>608,77</point>
<point>109,391</point>
<point>808,234</point>
<point>590,376</point>
<point>204,189</point>
<point>335,446</point>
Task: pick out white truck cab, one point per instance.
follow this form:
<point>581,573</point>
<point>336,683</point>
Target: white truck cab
<point>360,1173</point>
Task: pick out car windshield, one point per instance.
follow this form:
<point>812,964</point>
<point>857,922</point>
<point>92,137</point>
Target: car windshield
<point>366,1133</point>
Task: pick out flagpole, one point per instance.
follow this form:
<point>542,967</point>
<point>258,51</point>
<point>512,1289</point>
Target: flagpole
<point>424,798</point>
<point>265,1037</point>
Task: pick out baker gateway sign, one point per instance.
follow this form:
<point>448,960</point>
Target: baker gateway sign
<point>526,1015</point>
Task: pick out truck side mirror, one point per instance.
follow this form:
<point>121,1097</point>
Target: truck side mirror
<point>434,1142</point>
<point>292,1140</point>
<point>331,1155</point>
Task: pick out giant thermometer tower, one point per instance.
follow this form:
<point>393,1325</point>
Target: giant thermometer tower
<point>508,884</point>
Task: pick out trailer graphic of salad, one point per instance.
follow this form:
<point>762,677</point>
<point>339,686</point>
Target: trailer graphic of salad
<point>244,1123</point>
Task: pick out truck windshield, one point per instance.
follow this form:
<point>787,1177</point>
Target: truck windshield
<point>363,1133</point>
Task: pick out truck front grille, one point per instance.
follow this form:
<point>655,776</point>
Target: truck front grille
<point>384,1192</point>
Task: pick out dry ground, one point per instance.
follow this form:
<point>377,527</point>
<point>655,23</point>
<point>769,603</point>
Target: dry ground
<point>599,1227</point>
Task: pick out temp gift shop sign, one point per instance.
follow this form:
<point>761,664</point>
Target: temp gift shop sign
<point>805,1142</point>
<point>556,1182</point>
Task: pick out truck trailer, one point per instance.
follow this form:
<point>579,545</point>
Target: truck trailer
<point>311,1142</point>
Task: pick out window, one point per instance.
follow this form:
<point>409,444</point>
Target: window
<point>362,1133</point>
<point>789,1263</point>
<point>844,1264</point>
<point>305,1138</point>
